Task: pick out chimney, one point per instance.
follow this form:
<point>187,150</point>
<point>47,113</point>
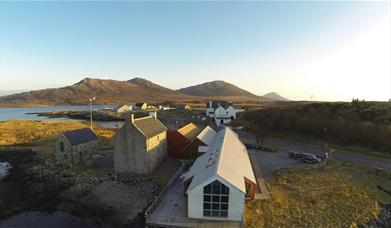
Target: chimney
<point>153,114</point>
<point>128,118</point>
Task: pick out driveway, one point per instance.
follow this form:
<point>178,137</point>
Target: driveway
<point>270,162</point>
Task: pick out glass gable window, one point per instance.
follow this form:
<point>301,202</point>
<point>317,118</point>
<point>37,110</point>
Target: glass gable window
<point>216,199</point>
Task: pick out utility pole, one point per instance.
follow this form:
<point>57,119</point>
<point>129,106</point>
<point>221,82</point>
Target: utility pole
<point>260,105</point>
<point>91,100</point>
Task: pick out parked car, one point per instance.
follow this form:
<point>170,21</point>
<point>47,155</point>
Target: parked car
<point>305,157</point>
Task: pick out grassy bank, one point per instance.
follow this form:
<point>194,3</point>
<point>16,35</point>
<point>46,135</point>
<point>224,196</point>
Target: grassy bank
<point>44,134</point>
<point>340,195</point>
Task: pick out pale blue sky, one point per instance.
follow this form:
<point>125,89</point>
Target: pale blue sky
<point>334,50</point>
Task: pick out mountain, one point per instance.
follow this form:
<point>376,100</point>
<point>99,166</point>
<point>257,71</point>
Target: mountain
<point>219,89</point>
<point>105,91</point>
<point>134,90</point>
<point>9,92</point>
<point>275,97</point>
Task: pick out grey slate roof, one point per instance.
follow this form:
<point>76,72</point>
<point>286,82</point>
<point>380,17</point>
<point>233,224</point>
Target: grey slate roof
<point>149,126</point>
<point>80,136</point>
<point>216,104</point>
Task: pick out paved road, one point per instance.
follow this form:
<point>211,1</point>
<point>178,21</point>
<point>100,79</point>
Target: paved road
<point>269,162</point>
<point>340,154</point>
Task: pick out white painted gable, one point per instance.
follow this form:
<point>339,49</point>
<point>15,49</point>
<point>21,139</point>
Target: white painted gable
<point>207,135</point>
<point>226,158</point>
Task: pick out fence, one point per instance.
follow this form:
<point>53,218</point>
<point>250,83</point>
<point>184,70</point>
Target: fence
<point>154,220</point>
<point>168,186</point>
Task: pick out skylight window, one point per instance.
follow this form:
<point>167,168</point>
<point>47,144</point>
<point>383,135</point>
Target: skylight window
<point>210,163</point>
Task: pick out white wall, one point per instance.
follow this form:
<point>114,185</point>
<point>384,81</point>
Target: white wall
<point>195,201</point>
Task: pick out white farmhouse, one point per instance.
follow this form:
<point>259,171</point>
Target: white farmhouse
<point>221,111</point>
<point>221,179</point>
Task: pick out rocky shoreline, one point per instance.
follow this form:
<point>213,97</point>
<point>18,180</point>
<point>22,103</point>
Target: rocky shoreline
<point>81,115</point>
<point>86,192</point>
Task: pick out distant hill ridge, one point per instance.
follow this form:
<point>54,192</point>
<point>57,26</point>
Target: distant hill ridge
<point>109,91</point>
<point>216,88</point>
<point>106,91</point>
<point>275,96</point>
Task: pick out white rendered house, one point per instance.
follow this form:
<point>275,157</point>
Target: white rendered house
<point>222,112</point>
<point>220,180</point>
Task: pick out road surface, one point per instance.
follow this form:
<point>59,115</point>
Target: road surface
<point>270,162</point>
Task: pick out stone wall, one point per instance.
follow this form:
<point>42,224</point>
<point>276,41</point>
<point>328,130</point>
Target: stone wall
<point>134,153</point>
<point>130,151</point>
<point>157,150</point>
<point>76,154</point>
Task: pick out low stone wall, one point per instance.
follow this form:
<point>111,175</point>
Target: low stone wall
<point>18,149</point>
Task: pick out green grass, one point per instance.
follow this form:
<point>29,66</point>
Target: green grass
<point>340,195</point>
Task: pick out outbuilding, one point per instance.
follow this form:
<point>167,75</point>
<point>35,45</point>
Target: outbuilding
<point>76,146</point>
<point>179,141</point>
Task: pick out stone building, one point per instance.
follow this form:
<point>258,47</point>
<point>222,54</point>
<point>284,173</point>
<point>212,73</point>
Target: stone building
<point>140,145</point>
<point>76,146</point>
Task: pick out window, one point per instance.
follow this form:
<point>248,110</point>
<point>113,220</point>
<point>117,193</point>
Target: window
<point>61,146</point>
<point>216,199</point>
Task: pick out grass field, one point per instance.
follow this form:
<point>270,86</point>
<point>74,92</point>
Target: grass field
<point>44,134</point>
<point>339,195</point>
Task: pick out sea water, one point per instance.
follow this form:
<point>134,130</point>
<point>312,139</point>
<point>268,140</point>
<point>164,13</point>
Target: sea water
<point>5,167</point>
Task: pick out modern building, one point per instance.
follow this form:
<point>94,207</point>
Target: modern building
<point>76,146</point>
<point>140,145</point>
<point>221,179</point>
<point>221,111</point>
<point>179,141</point>
<point>204,138</point>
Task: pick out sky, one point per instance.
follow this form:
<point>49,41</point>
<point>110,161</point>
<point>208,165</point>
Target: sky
<point>334,51</point>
